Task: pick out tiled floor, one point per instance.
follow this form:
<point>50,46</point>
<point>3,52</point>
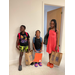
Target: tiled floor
<point>44,70</point>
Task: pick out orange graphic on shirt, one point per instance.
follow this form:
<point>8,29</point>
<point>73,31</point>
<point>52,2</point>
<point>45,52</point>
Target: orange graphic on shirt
<point>21,36</point>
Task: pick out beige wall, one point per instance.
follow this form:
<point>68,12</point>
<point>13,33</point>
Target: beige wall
<point>29,13</point>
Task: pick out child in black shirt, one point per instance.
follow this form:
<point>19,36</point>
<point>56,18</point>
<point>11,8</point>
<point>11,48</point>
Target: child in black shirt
<point>23,39</point>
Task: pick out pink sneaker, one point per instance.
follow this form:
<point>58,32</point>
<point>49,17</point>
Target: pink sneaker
<point>36,65</point>
<point>40,64</point>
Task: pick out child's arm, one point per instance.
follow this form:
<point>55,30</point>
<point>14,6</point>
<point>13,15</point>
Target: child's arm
<point>28,39</point>
<point>28,44</point>
<point>41,46</point>
<point>57,40</point>
<point>34,46</point>
<point>17,43</point>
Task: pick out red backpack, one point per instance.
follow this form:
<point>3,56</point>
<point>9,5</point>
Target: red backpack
<point>19,36</point>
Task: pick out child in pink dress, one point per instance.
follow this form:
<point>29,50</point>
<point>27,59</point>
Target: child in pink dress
<point>52,44</point>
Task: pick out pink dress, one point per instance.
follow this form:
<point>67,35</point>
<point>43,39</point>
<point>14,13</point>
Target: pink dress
<point>51,42</point>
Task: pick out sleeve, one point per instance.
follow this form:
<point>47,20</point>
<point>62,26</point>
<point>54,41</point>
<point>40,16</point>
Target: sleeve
<point>33,39</point>
<point>28,36</point>
<point>41,39</point>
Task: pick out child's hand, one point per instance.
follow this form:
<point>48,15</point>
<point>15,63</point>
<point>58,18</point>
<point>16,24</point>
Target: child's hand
<point>40,51</point>
<point>56,48</point>
<point>17,47</point>
<point>35,50</point>
<point>28,48</point>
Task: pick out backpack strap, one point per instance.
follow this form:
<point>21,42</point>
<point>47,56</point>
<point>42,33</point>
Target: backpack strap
<point>48,32</point>
<point>19,35</point>
<point>25,32</point>
<point>34,40</point>
<point>41,39</point>
<point>49,29</point>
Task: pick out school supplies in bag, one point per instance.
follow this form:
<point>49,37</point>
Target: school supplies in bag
<point>56,58</point>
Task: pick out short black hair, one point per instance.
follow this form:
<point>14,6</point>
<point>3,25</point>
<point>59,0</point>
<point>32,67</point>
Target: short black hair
<point>37,30</point>
<point>23,26</point>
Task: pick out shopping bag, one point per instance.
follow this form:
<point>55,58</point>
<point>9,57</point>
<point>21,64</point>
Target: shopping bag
<point>56,58</point>
<point>52,57</point>
<point>28,57</point>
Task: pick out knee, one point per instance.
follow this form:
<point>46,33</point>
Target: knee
<point>21,55</point>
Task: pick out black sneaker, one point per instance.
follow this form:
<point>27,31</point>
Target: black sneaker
<point>32,63</point>
<point>20,68</point>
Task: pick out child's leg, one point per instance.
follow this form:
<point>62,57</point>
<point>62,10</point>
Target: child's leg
<point>49,57</point>
<point>40,63</point>
<point>50,64</point>
<point>21,54</point>
<point>34,55</point>
<point>36,64</point>
<point>37,52</point>
<point>26,48</point>
<point>20,58</point>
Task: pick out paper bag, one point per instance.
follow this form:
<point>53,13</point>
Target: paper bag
<point>52,57</point>
<point>56,58</point>
<point>28,57</point>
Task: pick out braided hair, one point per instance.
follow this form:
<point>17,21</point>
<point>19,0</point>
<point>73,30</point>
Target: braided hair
<point>55,24</point>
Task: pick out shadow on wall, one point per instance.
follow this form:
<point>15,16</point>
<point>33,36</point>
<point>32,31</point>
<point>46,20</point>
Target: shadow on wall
<point>14,49</point>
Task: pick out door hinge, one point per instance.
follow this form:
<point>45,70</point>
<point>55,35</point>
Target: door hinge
<point>61,12</point>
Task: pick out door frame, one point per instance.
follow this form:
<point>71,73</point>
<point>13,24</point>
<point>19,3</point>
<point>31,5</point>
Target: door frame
<point>47,3</point>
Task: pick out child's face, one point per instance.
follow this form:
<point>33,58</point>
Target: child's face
<point>22,29</point>
<point>37,33</point>
<point>52,24</point>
